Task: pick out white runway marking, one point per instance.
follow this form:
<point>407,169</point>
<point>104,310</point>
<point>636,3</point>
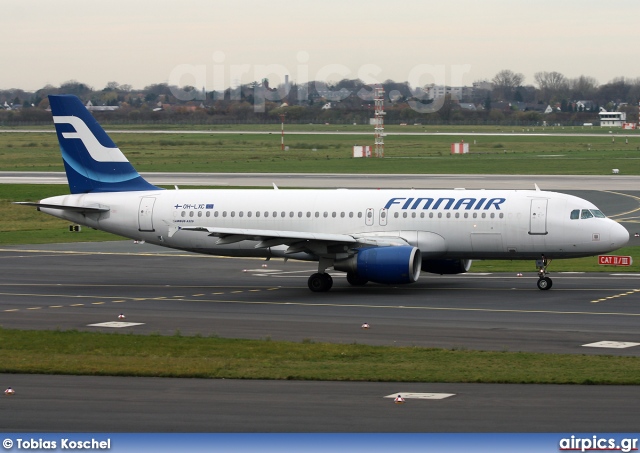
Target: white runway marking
<point>116,324</point>
<point>421,396</point>
<point>611,344</point>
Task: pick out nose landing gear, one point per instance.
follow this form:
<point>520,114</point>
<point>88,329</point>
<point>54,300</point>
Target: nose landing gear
<point>544,282</point>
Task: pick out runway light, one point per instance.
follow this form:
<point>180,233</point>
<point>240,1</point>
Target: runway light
<point>9,392</point>
<point>365,325</point>
<point>519,274</point>
<point>264,265</point>
<point>399,400</point>
<point>121,316</point>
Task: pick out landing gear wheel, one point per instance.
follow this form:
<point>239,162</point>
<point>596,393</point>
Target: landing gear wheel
<point>319,283</point>
<point>355,280</point>
<point>545,283</point>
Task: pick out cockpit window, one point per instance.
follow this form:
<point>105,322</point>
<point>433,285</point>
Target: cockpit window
<point>587,214</point>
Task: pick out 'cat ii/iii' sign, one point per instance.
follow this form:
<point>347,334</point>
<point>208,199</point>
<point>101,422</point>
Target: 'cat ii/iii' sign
<point>613,260</point>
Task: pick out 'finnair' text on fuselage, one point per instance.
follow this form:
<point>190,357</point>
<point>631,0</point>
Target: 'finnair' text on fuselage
<point>466,204</point>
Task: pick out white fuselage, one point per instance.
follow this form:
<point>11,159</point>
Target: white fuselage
<point>459,224</point>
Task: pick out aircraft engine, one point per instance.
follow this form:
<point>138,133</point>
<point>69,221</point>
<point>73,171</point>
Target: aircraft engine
<point>446,266</point>
<point>388,265</point>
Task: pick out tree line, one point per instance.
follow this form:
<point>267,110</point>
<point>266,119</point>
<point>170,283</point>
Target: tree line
<point>505,100</point>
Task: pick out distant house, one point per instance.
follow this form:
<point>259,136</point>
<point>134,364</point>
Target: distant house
<point>101,108</point>
<point>585,106</point>
<point>467,106</point>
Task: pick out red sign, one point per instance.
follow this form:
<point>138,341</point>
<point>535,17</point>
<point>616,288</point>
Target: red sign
<point>613,260</point>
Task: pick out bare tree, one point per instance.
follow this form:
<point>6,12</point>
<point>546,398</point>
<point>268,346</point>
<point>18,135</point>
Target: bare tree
<point>583,88</point>
<point>505,83</point>
<point>553,85</point>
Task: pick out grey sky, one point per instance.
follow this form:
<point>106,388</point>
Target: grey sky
<point>221,42</point>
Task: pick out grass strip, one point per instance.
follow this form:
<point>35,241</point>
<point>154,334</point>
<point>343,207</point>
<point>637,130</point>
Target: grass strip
<point>105,354</point>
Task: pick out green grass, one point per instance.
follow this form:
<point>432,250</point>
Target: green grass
<point>511,154</point>
<point>88,353</point>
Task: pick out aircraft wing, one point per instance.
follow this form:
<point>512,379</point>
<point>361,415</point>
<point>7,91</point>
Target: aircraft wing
<point>83,209</point>
<point>317,243</point>
<point>269,238</point>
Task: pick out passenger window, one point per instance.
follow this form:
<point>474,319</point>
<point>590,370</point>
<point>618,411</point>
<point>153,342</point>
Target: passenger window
<point>395,214</point>
<point>199,213</point>
<point>586,214</point>
<point>359,215</point>
<point>404,215</point>
<point>240,214</point>
<point>326,214</point>
<point>575,214</point>
<point>183,214</point>
<point>208,214</point>
<point>233,213</point>
<point>224,213</point>
<point>351,215</point>
<point>190,213</point>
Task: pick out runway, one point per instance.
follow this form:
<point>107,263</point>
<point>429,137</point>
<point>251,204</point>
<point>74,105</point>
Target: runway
<point>360,181</point>
<point>74,286</point>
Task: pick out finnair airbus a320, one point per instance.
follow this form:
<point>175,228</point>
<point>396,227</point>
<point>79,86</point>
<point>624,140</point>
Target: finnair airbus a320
<point>381,236</point>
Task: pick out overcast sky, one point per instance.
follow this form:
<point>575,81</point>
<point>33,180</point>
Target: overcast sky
<point>218,43</point>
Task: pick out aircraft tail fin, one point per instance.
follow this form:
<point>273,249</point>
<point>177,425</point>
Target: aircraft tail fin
<point>92,161</point>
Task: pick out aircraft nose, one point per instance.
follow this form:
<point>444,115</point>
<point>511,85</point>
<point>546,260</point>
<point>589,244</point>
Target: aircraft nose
<point>619,235</point>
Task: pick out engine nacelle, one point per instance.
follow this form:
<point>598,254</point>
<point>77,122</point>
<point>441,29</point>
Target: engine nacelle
<point>446,266</point>
<point>389,265</point>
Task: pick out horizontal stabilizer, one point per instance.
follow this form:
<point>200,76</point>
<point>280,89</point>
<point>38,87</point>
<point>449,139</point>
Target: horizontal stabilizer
<point>93,209</point>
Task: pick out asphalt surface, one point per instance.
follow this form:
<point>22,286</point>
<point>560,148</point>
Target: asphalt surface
<point>70,286</point>
<point>360,181</point>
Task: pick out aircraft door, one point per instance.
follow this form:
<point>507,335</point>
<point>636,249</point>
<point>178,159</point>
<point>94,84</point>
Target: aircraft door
<point>538,219</point>
<point>368,217</point>
<point>145,214</point>
<point>383,216</point>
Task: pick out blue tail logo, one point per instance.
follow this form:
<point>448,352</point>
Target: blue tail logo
<point>92,161</point>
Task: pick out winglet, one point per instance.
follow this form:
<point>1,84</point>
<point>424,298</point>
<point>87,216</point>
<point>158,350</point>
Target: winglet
<point>537,188</point>
<point>92,161</point>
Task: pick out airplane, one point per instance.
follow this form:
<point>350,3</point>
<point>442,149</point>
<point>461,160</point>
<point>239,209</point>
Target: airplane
<point>381,236</point>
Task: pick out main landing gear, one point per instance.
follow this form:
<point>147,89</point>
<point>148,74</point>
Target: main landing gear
<point>320,282</point>
<point>544,282</point>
